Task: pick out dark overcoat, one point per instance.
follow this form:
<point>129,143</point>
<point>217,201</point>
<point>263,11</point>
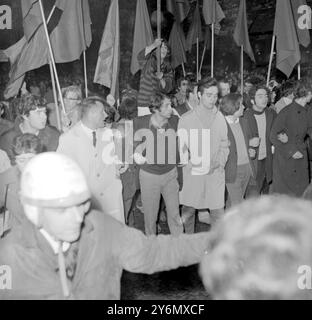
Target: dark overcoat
<point>291,176</point>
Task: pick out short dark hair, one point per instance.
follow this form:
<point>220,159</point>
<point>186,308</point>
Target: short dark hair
<point>28,103</point>
<point>230,104</point>
<point>206,84</point>
<point>288,87</point>
<point>255,89</point>
<point>128,108</point>
<point>302,90</point>
<point>156,101</point>
<point>88,103</point>
<point>180,80</point>
<point>32,83</point>
<point>26,143</point>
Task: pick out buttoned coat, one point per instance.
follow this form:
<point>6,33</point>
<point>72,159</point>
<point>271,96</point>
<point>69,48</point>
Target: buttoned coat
<point>291,176</point>
<point>102,176</point>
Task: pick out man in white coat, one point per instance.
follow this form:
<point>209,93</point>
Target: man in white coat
<point>90,143</point>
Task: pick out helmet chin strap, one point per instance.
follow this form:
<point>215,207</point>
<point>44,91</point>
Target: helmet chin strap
<point>62,270</point>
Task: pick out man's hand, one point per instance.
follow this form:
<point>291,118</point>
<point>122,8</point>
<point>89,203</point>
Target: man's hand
<point>298,155</point>
<point>159,75</point>
<point>139,159</point>
<point>282,137</point>
<point>254,142</point>
<point>214,165</point>
<point>252,153</point>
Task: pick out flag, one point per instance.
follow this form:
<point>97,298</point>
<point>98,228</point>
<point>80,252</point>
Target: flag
<point>72,35</point>
<point>107,68</point>
<point>143,35</point>
<point>207,39</point>
<point>212,12</point>
<point>195,31</point>
<point>241,35</point>
<point>179,9</point>
<point>68,39</point>
<point>303,34</point>
<point>177,44</point>
<point>287,45</point>
<point>32,15</point>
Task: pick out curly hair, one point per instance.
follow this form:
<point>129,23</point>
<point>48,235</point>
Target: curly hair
<point>29,103</point>
<point>255,252</point>
<point>26,143</point>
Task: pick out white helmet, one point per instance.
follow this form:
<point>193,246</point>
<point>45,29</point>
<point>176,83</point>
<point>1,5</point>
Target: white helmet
<point>53,180</point>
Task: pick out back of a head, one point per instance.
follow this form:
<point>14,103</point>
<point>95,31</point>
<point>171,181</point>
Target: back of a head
<point>255,252</point>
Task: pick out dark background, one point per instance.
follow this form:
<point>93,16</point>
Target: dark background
<point>260,14</point>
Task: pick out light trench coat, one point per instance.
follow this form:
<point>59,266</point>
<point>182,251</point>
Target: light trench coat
<point>203,189</point>
<point>103,177</point>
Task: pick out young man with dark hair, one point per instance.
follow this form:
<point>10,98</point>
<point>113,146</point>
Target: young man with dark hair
<point>182,86</point>
<point>33,113</point>
<point>158,161</point>
<point>204,180</point>
<point>260,119</point>
<point>239,168</point>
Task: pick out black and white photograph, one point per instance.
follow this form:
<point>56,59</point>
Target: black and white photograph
<point>156,150</point>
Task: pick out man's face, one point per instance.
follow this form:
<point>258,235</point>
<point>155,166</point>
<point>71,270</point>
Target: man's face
<point>261,99</point>
<point>248,87</point>
<point>166,109</point>
<point>99,115</point>
<point>224,89</point>
<point>240,112</point>
<point>35,91</point>
<point>209,98</point>
<point>64,224</point>
<point>37,119</point>
<point>183,86</point>
<point>71,101</point>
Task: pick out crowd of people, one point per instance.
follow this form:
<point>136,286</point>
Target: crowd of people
<point>177,147</point>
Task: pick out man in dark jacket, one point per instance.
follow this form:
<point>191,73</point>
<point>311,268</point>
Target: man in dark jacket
<point>59,252</point>
<point>32,111</point>
<point>260,119</point>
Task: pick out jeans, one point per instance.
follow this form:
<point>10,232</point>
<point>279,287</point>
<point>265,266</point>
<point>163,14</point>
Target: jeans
<point>152,187</point>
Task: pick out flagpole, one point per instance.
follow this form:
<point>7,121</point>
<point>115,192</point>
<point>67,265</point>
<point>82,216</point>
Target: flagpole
<point>202,59</point>
<point>85,72</point>
<point>51,56</point>
<point>57,111</point>
<point>197,58</point>
<point>242,70</point>
<point>59,126</point>
<point>158,33</point>
<point>271,60</point>
<point>183,68</point>
<point>212,50</point>
<point>299,71</point>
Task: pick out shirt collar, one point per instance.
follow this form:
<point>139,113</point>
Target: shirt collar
<point>55,244</point>
<point>231,121</point>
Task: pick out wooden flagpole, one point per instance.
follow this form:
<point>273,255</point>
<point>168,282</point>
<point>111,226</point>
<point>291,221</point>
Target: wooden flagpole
<point>242,70</point>
<point>85,72</point>
<point>212,49</point>
<point>197,58</point>
<point>52,56</point>
<point>271,60</point>
<point>158,33</point>
<point>202,59</point>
